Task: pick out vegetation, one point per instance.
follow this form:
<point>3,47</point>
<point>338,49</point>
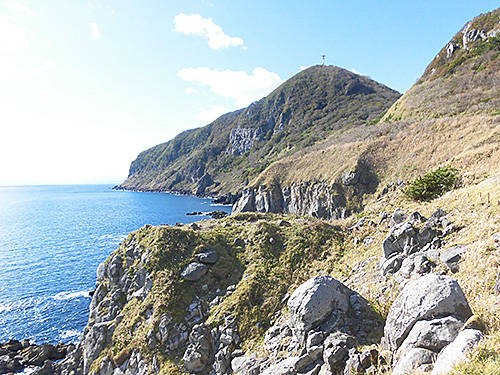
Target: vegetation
<point>433,184</point>
<point>236,147</point>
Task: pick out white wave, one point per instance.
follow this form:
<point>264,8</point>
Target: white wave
<point>5,308</point>
<point>69,333</point>
<point>70,295</point>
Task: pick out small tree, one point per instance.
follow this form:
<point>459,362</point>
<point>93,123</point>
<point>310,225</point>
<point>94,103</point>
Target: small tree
<point>433,184</point>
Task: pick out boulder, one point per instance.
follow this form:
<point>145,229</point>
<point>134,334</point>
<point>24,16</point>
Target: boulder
<point>416,360</point>
<point>36,355</point>
<point>314,301</point>
<point>426,298</point>
<point>431,334</point>
<point>452,256</point>
<point>194,271</point>
<point>207,257</point>
<point>392,264</point>
<point>457,351</point>
<point>336,350</point>
<point>284,367</point>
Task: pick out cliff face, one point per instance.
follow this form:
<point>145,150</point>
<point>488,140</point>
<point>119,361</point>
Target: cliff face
<point>315,198</point>
<point>224,155</point>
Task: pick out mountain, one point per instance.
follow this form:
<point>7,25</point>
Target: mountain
<point>449,117</point>
<point>223,156</point>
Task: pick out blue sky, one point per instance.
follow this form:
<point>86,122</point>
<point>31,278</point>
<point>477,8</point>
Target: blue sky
<point>86,85</point>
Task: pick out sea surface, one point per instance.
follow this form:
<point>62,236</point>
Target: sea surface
<point>52,238</point>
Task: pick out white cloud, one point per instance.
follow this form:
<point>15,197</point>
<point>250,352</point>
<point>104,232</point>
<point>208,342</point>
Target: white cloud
<point>17,7</point>
<point>194,24</point>
<point>210,114</point>
<point>244,88</point>
<point>355,71</point>
<point>304,67</point>
<point>95,31</point>
<point>190,90</point>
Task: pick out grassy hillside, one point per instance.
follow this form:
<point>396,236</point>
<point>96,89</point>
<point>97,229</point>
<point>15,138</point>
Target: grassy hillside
<point>224,155</point>
<point>450,116</point>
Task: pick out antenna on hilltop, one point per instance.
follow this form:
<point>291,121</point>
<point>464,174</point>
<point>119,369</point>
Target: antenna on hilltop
<point>323,58</point>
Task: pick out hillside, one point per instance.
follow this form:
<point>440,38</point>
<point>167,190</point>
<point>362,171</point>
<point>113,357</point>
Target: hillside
<point>450,116</point>
<point>223,156</point>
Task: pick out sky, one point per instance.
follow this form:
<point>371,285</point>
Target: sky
<point>87,85</point>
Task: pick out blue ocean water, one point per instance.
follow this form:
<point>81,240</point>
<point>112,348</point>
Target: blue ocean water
<point>52,238</point>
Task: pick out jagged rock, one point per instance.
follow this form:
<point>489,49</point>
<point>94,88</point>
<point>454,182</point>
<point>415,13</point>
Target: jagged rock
<point>284,367</point>
<point>245,365</point>
<point>423,299</point>
<point>359,363</point>
<point>36,355</point>
<point>46,369</point>
<point>336,349</point>
<point>452,256</point>
<point>198,354</point>
<point>398,216</point>
<point>207,257</point>
<point>431,334</point>
<point>314,301</point>
<point>194,271</point>
<point>497,284</point>
<point>392,264</point>
<point>8,364</point>
<point>414,361</point>
<point>457,351</point>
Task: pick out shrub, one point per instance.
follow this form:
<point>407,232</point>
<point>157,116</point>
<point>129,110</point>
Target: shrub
<point>433,184</point>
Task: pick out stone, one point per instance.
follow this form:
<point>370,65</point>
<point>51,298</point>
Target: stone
<point>457,351</point>
<point>414,361</point>
<point>497,284</point>
<point>496,239</point>
<point>392,264</point>
<point>398,216</point>
<point>336,350</point>
<point>431,334</point>
<point>207,257</point>
<point>284,367</point>
<point>194,271</point>
<point>46,369</point>
<point>452,256</point>
<point>313,302</point>
<point>425,298</point>
<point>36,355</point>
<point>314,339</point>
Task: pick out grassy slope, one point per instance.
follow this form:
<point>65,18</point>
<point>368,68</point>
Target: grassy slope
<point>304,110</point>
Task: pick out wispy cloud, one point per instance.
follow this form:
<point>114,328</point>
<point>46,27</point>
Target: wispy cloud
<point>17,7</point>
<point>194,24</point>
<point>244,88</point>
<point>95,32</point>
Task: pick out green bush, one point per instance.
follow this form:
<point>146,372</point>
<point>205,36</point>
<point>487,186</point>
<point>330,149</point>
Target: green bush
<point>433,184</point>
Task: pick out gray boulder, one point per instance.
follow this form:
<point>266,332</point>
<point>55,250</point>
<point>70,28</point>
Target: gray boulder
<point>194,271</point>
<point>314,301</point>
<point>426,298</point>
<point>431,334</point>
<point>457,351</point>
<point>208,257</point>
<point>392,264</point>
<point>452,256</point>
<point>336,350</point>
<point>415,360</point>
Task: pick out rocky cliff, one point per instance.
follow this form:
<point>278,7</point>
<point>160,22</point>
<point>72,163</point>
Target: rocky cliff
<point>223,156</point>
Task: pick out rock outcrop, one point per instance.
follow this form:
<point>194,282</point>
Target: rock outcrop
<point>424,323</point>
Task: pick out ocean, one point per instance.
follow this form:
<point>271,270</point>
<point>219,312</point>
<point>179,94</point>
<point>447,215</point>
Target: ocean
<point>52,238</point>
